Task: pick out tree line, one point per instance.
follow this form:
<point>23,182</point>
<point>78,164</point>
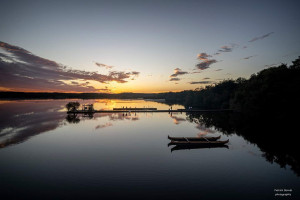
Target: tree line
<point>275,90</point>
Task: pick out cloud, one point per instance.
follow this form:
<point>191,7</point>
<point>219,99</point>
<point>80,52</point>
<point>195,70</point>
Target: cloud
<point>271,65</point>
<point>196,72</point>
<point>225,49</point>
<point>205,64</point>
<point>104,90</point>
<point>206,78</point>
<point>174,79</point>
<point>261,37</point>
<point>178,72</point>
<point>203,56</point>
<point>103,65</point>
<point>135,73</point>
<point>122,76</point>
<point>200,82</point>
<point>246,58</point>
<point>20,70</point>
<point>206,60</point>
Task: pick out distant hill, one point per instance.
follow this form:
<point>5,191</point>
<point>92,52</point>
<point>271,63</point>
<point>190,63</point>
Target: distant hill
<point>56,95</point>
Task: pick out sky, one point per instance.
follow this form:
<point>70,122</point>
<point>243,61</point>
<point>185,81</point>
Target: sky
<point>141,46</point>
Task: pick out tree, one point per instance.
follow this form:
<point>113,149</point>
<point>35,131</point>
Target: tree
<point>72,106</point>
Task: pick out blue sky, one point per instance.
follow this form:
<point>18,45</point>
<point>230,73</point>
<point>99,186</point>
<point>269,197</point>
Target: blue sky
<point>155,38</point>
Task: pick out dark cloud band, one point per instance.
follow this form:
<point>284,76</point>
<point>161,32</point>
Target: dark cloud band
<point>200,82</point>
<point>20,70</point>
<point>261,37</point>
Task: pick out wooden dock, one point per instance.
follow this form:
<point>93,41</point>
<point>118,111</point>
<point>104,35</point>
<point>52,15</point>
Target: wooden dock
<point>144,111</point>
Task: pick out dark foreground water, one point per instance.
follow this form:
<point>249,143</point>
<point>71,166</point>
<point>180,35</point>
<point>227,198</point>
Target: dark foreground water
<point>46,154</point>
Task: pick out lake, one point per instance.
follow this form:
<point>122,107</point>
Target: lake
<point>47,154</point>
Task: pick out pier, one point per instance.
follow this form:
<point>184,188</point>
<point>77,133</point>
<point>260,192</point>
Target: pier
<point>144,110</point>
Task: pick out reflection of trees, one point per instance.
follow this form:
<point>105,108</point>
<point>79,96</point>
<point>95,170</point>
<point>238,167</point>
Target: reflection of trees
<point>72,118</point>
<point>273,135</point>
<point>221,121</point>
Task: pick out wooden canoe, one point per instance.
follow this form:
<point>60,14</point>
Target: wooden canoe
<point>199,143</point>
<point>194,138</point>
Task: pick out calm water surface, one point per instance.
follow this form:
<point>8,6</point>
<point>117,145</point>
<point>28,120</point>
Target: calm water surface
<point>46,154</point>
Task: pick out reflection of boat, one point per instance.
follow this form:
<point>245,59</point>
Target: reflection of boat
<point>194,138</point>
<point>199,143</point>
<point>196,147</point>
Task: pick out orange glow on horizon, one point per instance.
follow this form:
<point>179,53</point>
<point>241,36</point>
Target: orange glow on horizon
<point>116,92</point>
<point>137,86</point>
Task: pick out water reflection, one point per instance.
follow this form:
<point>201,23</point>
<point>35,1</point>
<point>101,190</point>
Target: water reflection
<point>270,134</point>
<point>176,119</point>
<point>104,125</point>
<point>204,130</point>
<point>123,116</point>
<point>21,120</point>
<point>196,147</point>
<point>95,156</point>
<point>73,118</point>
<point>109,104</point>
<point>88,115</point>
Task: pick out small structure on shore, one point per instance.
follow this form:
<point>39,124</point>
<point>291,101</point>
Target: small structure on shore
<point>88,107</point>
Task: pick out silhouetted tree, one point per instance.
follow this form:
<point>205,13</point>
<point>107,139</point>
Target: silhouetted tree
<point>72,106</point>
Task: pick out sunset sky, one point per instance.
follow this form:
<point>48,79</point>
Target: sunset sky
<point>141,46</point>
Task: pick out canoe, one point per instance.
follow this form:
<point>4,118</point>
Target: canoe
<point>199,143</point>
<point>175,148</point>
<point>194,138</point>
